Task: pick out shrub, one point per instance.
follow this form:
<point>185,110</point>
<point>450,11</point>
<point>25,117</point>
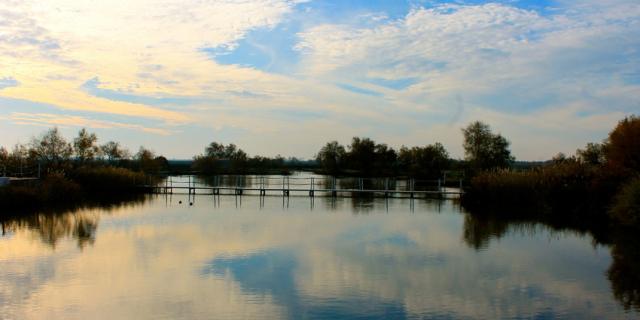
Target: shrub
<point>626,207</point>
<point>108,179</point>
<point>56,188</point>
<point>558,191</point>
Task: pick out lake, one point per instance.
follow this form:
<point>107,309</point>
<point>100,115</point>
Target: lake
<point>271,257</point>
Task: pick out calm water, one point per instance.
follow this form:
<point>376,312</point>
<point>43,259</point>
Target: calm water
<point>269,258</point>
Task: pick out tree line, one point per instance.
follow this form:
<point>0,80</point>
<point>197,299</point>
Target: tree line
<point>363,156</point>
<point>51,152</point>
<point>484,150</point>
<point>598,185</point>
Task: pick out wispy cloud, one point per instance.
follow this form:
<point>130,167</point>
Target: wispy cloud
<point>397,71</point>
<point>8,82</point>
<point>48,120</point>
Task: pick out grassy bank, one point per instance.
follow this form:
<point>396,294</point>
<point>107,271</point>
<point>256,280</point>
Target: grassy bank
<point>569,192</point>
<point>74,188</point>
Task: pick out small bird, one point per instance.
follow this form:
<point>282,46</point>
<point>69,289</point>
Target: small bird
<point>180,202</point>
<point>190,203</point>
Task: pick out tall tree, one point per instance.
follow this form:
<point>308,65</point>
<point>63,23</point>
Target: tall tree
<point>331,157</point>
<point>593,153</point>
<point>427,162</point>
<point>623,147</point>
<point>52,148</point>
<point>113,151</point>
<point>215,150</point>
<point>85,146</point>
<point>147,160</point>
<point>485,150</point>
<point>362,152</point>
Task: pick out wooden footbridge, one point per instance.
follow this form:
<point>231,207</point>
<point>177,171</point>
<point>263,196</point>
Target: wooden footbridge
<point>307,186</point>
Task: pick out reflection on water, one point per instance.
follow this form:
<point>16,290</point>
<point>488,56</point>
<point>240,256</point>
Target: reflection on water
<point>80,222</point>
<point>50,228</point>
<point>274,257</point>
<point>623,272</point>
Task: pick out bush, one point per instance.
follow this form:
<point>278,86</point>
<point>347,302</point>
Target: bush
<point>53,190</point>
<point>626,207</point>
<point>56,188</point>
<point>108,179</point>
<point>558,191</point>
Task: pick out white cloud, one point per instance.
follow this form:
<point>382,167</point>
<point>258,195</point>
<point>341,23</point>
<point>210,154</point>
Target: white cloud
<point>457,62</point>
<point>48,120</point>
<point>566,68</point>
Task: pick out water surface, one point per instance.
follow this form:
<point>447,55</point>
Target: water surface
<point>271,258</point>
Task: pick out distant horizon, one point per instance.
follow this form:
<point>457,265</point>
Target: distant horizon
<point>286,76</point>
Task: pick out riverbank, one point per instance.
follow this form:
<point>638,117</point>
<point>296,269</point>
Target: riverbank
<point>569,192</point>
<point>73,188</point>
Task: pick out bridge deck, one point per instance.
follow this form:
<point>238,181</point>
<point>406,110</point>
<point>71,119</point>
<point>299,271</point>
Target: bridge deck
<point>286,191</point>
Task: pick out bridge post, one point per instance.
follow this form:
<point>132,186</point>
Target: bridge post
<point>411,186</point>
<point>334,191</point>
<point>386,187</point>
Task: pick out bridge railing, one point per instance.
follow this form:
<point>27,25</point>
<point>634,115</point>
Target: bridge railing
<point>288,183</point>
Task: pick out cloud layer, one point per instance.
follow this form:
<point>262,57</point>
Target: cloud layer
<point>293,73</point>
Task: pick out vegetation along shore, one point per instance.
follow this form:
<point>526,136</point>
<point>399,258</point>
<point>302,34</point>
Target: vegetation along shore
<point>599,184</point>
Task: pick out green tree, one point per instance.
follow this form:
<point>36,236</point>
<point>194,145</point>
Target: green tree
<point>623,146</point>
<point>427,162</point>
<point>85,146</point>
<point>215,150</point>
<point>485,150</point>
<point>593,154</point>
<point>331,157</point>
<point>362,152</point>
<point>52,148</point>
<point>384,162</point>
<point>113,151</point>
<point>238,158</point>
<point>147,160</point>
<point>4,161</point>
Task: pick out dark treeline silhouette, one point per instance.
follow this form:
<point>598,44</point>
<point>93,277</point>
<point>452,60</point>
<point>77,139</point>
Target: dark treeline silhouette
<point>484,151</point>
<point>624,244</point>
<point>229,159</point>
<point>73,172</point>
<point>365,157</point>
<point>52,153</point>
<point>599,185</point>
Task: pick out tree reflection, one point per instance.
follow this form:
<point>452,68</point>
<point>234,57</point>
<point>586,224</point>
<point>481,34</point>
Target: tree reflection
<point>480,229</point>
<point>79,223</point>
<point>624,272</point>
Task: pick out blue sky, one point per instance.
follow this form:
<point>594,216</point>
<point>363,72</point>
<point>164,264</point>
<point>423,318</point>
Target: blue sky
<point>286,76</point>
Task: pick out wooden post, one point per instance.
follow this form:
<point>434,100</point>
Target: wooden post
<point>386,187</point>
<point>439,186</point>
<point>411,183</point>
<point>311,188</point>
<point>334,192</point>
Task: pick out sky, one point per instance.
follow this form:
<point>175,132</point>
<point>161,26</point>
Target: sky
<point>286,76</point>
